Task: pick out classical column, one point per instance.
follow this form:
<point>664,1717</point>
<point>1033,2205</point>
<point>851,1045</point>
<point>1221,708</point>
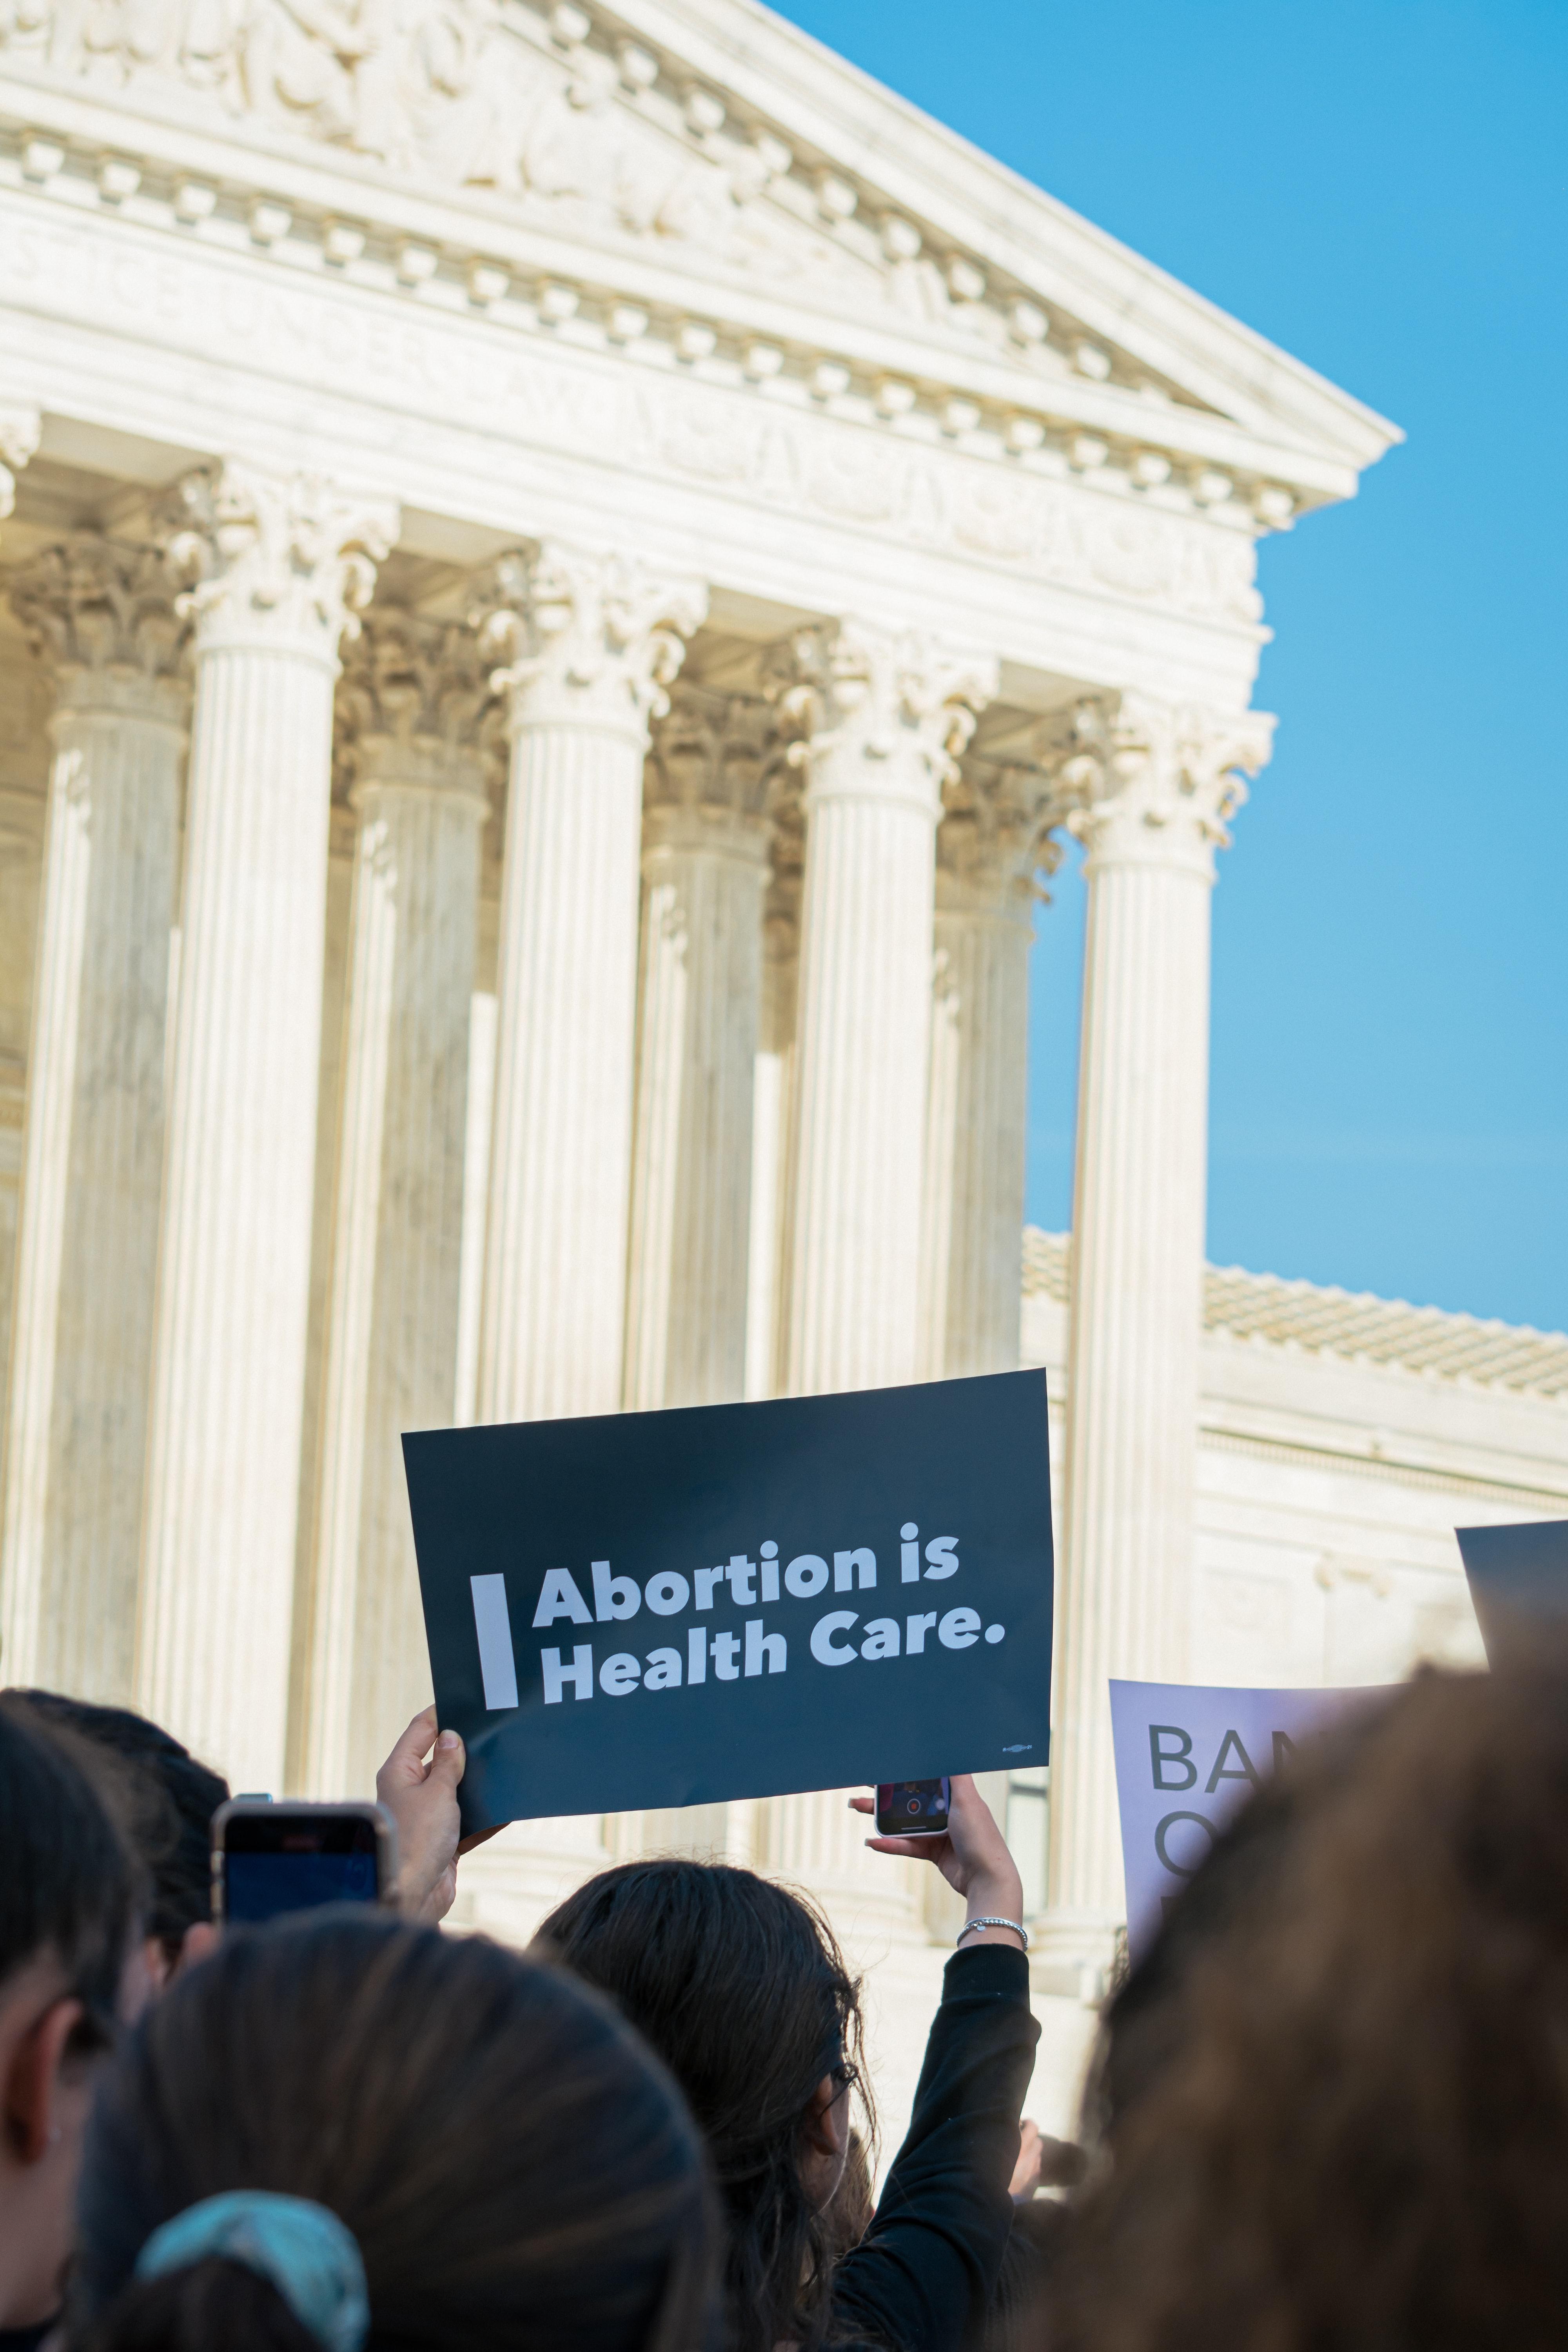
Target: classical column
<point>704,864</point>
<point>283,562</point>
<point>590,642</point>
<point>408,707</point>
<point>992,845</point>
<point>102,613</point>
<point>1152,788</point>
<point>884,716</point>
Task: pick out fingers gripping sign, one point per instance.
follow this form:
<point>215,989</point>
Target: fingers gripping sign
<point>418,1785</point>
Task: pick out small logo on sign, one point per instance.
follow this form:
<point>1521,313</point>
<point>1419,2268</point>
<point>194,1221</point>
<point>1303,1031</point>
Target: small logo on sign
<point>1021,1748</point>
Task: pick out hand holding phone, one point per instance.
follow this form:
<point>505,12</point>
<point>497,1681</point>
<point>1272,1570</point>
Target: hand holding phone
<point>972,1854</point>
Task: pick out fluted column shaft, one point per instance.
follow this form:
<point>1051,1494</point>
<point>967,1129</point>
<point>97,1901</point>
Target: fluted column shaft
<point>704,861</point>
<point>698,1010</point>
<point>592,640</point>
<point>234,1273</point>
<point>971,1257</point>
<point>1152,806</point>
<point>773,1099</point>
<point>884,716</point>
<point>864,1039</point>
<point>398,1234</point>
<point>93,1153</point>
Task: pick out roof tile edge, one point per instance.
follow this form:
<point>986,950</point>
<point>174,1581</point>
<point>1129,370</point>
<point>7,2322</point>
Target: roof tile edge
<point>1355,1325</point>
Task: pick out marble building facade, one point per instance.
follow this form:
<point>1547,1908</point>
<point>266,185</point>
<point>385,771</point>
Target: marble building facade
<point>567,572</point>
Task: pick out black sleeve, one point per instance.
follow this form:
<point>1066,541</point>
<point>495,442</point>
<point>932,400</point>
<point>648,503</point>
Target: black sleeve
<point>929,2263</point>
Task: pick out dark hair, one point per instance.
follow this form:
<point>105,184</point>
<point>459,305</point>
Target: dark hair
<point>68,1885</point>
<point>515,2167</point>
<point>742,1990</point>
<point>169,1801</point>
<point>1357,2131</point>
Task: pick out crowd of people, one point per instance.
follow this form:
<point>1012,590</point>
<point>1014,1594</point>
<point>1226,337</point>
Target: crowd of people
<point>1327,2109</point>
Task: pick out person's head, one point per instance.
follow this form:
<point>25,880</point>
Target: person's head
<point>68,1924</point>
<point>740,1987</point>
<point>1357,2130</point>
<point>514,2166</point>
<point>168,1800</point>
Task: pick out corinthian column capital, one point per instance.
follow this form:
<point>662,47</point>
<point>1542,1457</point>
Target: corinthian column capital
<point>882,714</point>
<point>19,430</point>
<point>280,560</point>
<point>1150,782</point>
<point>103,613</point>
<point>711,761</point>
<point>996,836</point>
<point>412,705</point>
<point>587,638</point>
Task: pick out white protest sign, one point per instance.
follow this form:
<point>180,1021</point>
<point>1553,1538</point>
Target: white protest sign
<point>1186,1755</point>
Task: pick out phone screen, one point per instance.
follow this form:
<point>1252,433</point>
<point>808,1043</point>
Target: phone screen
<point>911,1808</point>
<point>291,1863</point>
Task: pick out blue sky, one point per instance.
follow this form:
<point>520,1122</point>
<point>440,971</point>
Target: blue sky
<point>1378,185</point>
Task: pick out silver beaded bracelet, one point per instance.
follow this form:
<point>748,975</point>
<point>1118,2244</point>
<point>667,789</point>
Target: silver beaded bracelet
<point>1016,1926</point>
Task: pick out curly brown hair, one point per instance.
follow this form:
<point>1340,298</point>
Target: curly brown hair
<point>1357,2133</point>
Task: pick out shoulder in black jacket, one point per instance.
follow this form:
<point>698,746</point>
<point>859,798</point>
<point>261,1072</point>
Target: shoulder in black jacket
<point>928,2266</point>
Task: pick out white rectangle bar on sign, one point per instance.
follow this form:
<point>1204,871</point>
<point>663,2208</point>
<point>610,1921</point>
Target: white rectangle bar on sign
<point>492,1623</point>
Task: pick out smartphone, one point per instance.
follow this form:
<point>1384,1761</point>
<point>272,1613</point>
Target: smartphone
<point>269,1858</point>
<point>911,1808</point>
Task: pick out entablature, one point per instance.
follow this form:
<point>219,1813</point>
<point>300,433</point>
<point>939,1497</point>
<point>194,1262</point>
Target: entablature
<point>147,348</point>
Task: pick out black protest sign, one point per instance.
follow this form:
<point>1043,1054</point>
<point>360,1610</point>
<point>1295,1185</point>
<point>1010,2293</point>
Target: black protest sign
<point>1519,1581</point>
<point>738,1601</point>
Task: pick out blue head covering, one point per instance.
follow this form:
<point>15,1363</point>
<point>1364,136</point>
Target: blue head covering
<point>309,2255</point>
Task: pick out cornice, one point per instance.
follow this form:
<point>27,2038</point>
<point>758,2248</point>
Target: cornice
<point>139,148</point>
<point>1524,1492</point>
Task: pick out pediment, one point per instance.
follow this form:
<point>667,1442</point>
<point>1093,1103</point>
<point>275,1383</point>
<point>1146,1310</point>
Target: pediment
<point>537,107</point>
<point>651,136</point>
